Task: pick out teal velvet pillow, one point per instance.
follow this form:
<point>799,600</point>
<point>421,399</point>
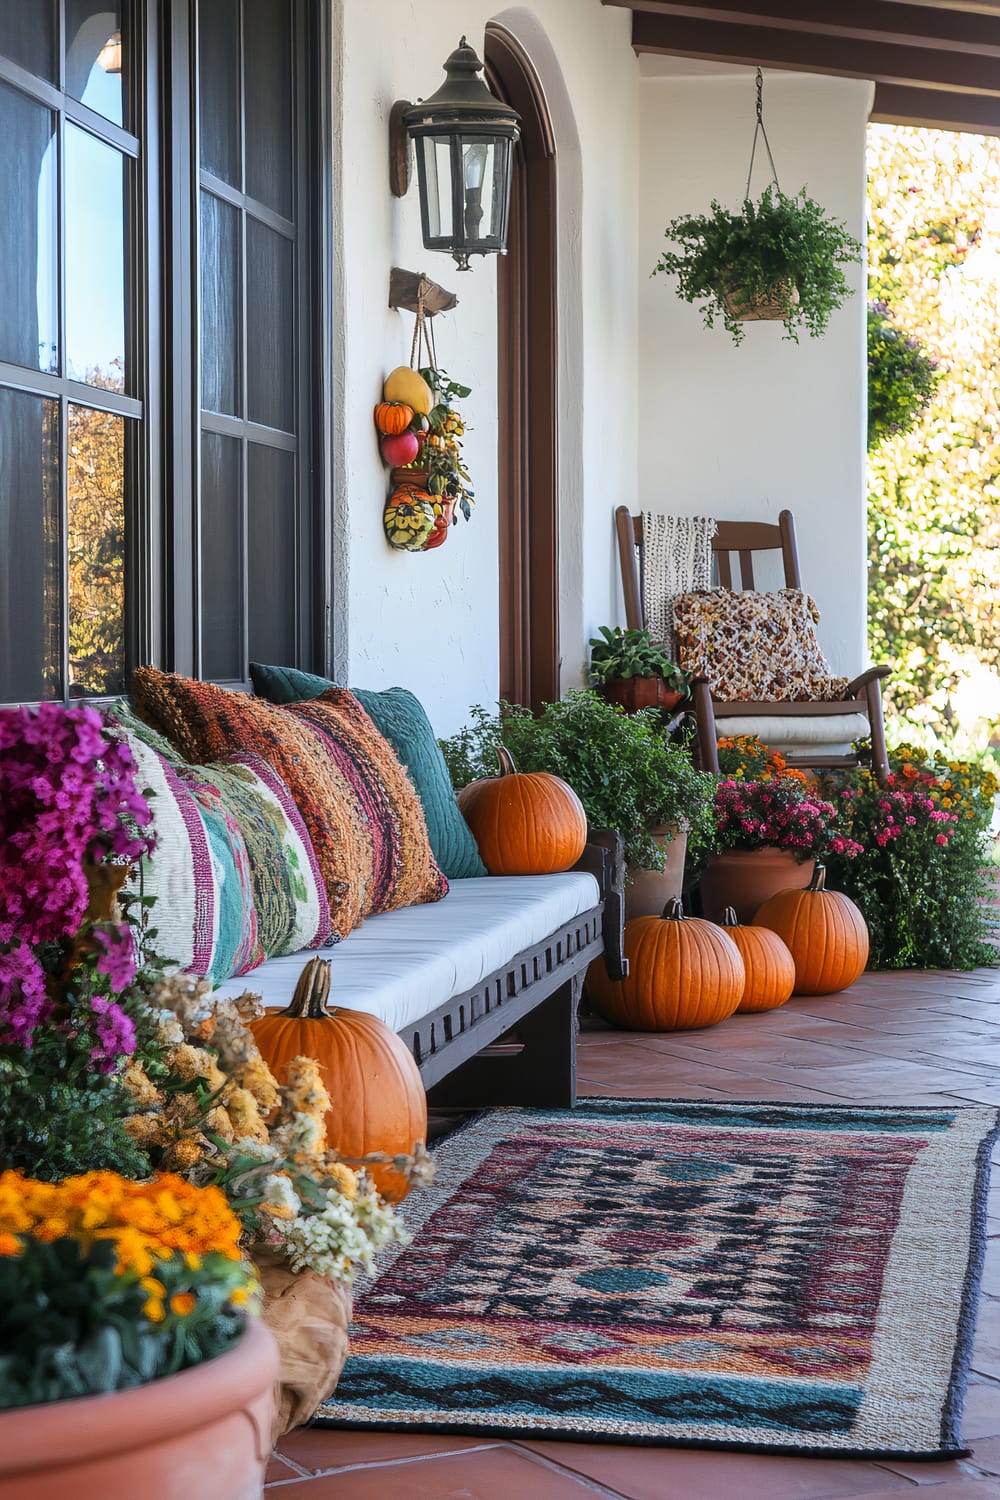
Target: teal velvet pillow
<point>400,717</point>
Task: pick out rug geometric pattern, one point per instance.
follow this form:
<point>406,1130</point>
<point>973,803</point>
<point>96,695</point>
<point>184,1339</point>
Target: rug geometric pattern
<point>781,1278</point>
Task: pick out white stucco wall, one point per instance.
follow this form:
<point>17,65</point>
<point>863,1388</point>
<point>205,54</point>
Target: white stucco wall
<point>430,621</point>
<point>745,432</point>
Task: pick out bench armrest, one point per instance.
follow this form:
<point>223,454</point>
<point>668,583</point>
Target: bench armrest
<point>872,674</point>
<point>604,858</point>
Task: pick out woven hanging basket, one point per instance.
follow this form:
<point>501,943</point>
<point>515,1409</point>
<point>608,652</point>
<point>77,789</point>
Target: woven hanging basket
<point>771,306</point>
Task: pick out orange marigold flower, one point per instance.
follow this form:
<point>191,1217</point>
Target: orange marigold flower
<point>10,1244</point>
<point>182,1303</point>
<point>154,1310</point>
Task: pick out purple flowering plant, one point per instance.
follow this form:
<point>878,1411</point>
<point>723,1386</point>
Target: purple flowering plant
<point>780,813</point>
<point>69,805</point>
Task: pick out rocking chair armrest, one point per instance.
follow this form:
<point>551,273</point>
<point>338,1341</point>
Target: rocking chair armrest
<point>604,858</point>
<point>872,674</point>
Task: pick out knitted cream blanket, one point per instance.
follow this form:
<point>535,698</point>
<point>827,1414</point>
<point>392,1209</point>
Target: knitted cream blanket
<point>676,559</point>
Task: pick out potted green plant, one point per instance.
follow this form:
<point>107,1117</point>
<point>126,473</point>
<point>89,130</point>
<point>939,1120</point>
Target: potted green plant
<point>902,377</point>
<point>780,257</point>
<point>627,667</point>
<point>625,770</point>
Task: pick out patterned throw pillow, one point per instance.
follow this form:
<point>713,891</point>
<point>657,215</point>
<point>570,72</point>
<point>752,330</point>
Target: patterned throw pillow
<point>234,873</point>
<point>397,867</point>
<point>207,723</point>
<point>400,716</point>
<point>755,647</point>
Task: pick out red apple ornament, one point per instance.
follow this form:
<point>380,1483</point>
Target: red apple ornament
<point>399,450</point>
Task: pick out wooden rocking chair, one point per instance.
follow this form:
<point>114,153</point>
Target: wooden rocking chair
<point>803,732</point>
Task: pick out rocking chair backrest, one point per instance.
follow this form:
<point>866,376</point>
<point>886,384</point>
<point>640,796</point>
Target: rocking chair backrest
<point>732,540</point>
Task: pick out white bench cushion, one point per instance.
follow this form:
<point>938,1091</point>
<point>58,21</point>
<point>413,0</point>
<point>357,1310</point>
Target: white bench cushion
<point>833,733</point>
<point>402,965</point>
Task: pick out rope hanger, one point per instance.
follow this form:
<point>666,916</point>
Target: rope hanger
<point>423,332</point>
<point>760,130</point>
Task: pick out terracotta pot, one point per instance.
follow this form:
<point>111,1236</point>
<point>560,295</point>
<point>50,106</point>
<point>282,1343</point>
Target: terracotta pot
<point>633,693</point>
<point>204,1434</point>
<point>309,1317</point>
<point>647,892</point>
<point>745,878</point>
<point>409,479</point>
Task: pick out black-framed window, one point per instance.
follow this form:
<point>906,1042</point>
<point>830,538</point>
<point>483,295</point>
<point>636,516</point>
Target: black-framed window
<point>160,332</point>
<point>71,388</point>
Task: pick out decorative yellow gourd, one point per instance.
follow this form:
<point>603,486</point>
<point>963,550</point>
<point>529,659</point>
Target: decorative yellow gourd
<point>409,387</point>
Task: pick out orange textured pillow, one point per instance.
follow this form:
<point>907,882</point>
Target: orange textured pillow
<point>397,867</point>
<point>206,722</point>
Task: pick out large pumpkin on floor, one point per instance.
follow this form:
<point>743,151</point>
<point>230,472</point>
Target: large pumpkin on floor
<point>377,1099</point>
<point>527,823</point>
<point>824,932</point>
<point>683,972</point>
<point>770,968</point>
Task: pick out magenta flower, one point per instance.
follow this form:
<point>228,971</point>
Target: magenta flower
<point>115,1034</point>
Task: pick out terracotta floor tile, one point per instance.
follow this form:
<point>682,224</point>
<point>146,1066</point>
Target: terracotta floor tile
<point>498,1473</point>
<point>986,1456</point>
<point>684,1474</point>
<point>277,1470</point>
<point>981,1417</point>
<point>318,1448</point>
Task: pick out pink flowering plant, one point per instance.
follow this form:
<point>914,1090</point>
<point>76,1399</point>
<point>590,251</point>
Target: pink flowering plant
<point>921,878</point>
<point>69,807</point>
<point>780,813</point>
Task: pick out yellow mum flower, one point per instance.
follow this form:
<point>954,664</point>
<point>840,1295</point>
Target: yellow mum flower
<point>154,1310</point>
<point>182,1303</point>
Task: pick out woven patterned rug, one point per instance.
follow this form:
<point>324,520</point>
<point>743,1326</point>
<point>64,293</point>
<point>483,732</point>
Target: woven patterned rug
<point>785,1279</point>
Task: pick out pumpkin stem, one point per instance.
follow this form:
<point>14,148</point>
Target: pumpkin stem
<point>507,766</point>
<point>818,882</point>
<point>674,910</point>
<point>311,992</point>
<point>729,918</point>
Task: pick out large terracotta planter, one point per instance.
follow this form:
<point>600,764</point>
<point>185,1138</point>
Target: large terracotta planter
<point>204,1434</point>
<point>633,693</point>
<point>745,878</point>
<point>648,892</point>
<point>309,1317</point>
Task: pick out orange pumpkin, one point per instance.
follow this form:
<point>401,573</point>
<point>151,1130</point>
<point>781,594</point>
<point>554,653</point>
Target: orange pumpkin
<point>769,965</point>
<point>683,972</point>
<point>393,417</point>
<point>824,932</point>
<point>524,824</point>
<point>377,1099</point>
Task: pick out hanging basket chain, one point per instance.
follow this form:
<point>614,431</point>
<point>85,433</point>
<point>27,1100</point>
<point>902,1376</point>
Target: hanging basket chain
<point>759,129</point>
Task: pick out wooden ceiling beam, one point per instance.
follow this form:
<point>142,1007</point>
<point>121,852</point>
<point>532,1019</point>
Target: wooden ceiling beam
<point>936,109</point>
<point>840,56</point>
<point>864,20</point>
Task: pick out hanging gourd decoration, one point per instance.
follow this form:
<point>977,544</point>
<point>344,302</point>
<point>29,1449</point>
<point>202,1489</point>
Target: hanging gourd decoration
<point>683,972</point>
<point>377,1099</point>
<point>824,932</point>
<point>769,965</point>
<point>524,824</point>
<point>408,519</point>
<point>444,513</point>
<point>393,417</point>
<point>406,385</point>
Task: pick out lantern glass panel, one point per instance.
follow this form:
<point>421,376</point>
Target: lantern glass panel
<point>437,168</point>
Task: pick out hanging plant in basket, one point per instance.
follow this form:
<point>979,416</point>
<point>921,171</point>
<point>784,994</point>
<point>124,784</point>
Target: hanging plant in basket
<point>777,258</point>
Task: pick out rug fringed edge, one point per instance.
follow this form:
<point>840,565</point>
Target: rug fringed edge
<point>624,1439</point>
<point>954,1402</point>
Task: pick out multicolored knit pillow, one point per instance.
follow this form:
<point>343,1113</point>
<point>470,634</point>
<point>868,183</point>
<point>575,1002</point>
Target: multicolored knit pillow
<point>396,866</point>
<point>754,646</point>
<point>277,895</point>
<point>207,723</point>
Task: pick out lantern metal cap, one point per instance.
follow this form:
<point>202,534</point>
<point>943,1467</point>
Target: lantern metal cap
<point>463,97</point>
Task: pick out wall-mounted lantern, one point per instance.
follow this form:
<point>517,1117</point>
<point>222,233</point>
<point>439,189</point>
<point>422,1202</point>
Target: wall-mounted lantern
<point>464,139</point>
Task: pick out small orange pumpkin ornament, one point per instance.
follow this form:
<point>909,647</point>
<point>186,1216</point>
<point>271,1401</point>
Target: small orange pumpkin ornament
<point>525,824</point>
<point>824,932</point>
<point>683,972</point>
<point>393,417</point>
<point>377,1099</point>
<point>769,965</point>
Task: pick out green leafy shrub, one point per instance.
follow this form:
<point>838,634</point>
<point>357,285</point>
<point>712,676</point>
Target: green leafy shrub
<point>769,245</point>
<point>625,771</point>
<point>902,377</point>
